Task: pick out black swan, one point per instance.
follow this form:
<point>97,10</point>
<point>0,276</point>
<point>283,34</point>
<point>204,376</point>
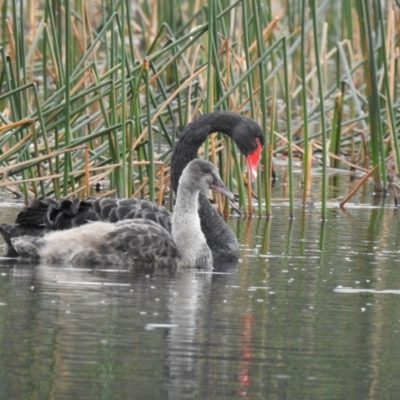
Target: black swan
<point>41,215</point>
<point>138,243</point>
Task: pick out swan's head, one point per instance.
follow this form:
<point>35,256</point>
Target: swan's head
<point>249,137</point>
<point>202,175</point>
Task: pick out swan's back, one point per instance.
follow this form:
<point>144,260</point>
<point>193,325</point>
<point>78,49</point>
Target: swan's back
<point>114,210</point>
<point>69,213</point>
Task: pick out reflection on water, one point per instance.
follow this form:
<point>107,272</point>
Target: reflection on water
<point>310,311</point>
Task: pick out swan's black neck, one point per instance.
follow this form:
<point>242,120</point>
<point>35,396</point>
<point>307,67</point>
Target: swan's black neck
<point>248,136</point>
<point>195,134</point>
<point>244,132</point>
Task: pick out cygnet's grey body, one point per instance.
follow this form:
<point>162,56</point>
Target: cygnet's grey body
<point>139,243</point>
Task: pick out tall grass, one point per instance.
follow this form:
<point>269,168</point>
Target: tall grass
<point>101,89</point>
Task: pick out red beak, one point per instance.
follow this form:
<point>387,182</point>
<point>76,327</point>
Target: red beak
<point>253,160</point>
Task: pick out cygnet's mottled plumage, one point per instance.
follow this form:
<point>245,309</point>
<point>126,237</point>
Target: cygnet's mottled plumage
<point>138,243</point>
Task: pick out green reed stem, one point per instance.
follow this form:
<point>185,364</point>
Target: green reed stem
<point>150,169</point>
<point>246,46</point>
<point>377,151</point>
<point>337,128</point>
<point>390,109</point>
<point>322,106</point>
<point>263,104</point>
<point>240,182</point>
<point>123,134</point>
<point>267,153</point>
<point>288,126</point>
<point>68,160</point>
<point>209,101</point>
<point>306,155</point>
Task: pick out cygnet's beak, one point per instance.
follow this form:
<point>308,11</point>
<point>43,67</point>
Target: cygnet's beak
<point>219,186</point>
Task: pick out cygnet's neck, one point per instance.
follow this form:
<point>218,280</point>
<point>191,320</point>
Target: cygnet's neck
<point>186,229</point>
<point>187,202</point>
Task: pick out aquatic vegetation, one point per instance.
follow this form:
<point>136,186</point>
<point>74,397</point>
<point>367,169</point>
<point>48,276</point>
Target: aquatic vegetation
<point>99,90</point>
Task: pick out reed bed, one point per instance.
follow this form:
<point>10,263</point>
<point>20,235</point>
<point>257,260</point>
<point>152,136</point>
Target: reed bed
<point>99,90</point>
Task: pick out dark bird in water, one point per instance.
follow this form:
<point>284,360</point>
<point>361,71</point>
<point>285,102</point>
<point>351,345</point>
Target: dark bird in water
<point>40,216</point>
<point>139,243</point>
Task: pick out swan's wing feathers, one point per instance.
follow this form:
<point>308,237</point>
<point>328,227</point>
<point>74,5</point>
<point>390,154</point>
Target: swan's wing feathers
<point>103,207</point>
<point>164,220</point>
<point>144,242</point>
<point>128,211</point>
<point>154,212</point>
<point>85,213</point>
<point>69,213</point>
<point>33,213</point>
<point>64,214</point>
<point>56,219</point>
<point>114,210</point>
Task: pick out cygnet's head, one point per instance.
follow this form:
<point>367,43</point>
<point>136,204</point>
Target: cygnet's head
<point>202,175</point>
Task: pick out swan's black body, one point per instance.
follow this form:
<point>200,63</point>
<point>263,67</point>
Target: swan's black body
<point>47,214</point>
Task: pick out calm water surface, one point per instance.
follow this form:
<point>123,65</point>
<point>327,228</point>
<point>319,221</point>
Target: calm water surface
<point>311,311</point>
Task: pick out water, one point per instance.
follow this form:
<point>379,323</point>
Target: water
<point>292,320</point>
